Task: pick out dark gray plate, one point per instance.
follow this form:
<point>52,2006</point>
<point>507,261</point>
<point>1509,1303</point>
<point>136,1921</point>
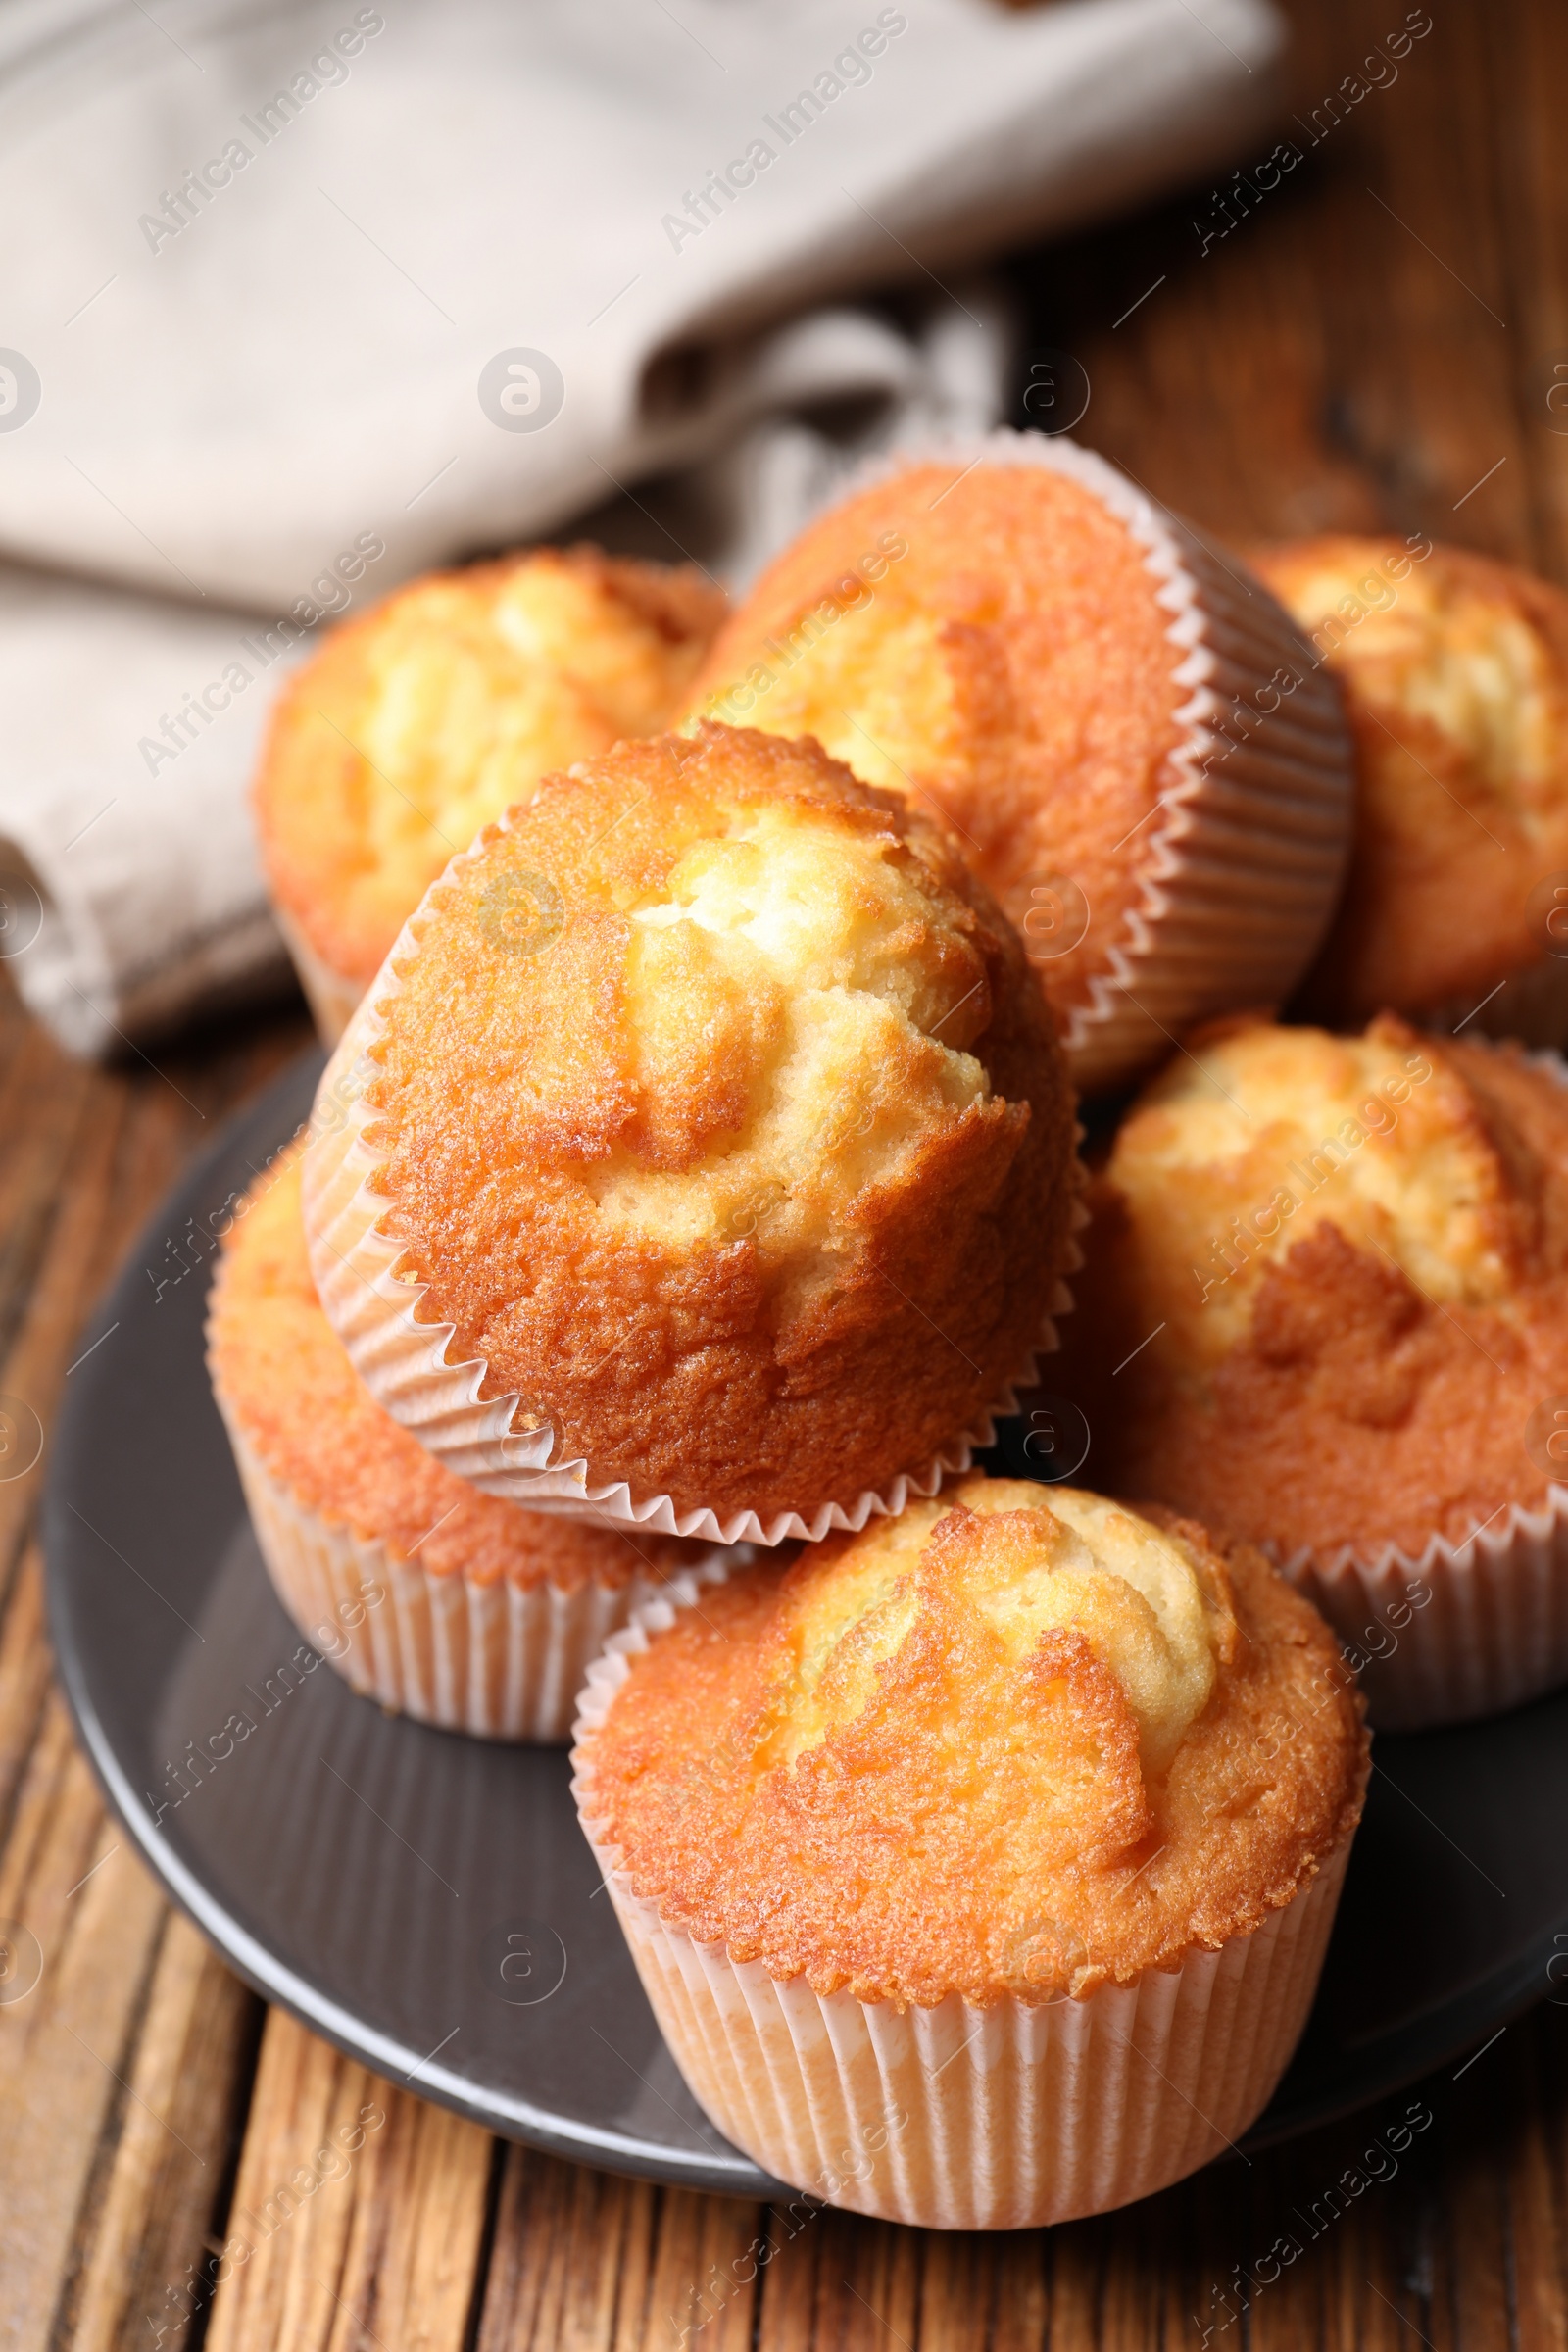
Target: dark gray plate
<point>427,1902</point>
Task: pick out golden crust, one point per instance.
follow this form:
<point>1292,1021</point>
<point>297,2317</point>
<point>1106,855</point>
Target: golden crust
<point>975,1817</point>
<point>1360,1368</point>
<point>1456,677</point>
<point>289,1384</point>
<point>991,648</point>
<point>722,1121</point>
<point>421,722</point>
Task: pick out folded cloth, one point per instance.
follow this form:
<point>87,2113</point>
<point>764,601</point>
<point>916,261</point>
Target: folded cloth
<point>324,296</point>
<point>131,895</point>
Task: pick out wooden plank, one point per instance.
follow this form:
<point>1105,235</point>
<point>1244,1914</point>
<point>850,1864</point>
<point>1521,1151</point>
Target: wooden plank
<point>1527,64</point>
<point>34,1368</point>
<point>1471,2258</point>
<point>43,1099</point>
<point>960,2275</point>
<point>1022,2322</point>
<point>85,2148</point>
<point>570,2266</point>
<point>23,1679</point>
<point>358,2212</point>
<point>146,2266</point>
<point>702,2275</point>
<point>92,1913</point>
<point>1535,2200</point>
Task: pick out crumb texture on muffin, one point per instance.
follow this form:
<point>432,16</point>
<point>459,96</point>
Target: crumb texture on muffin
<point>717,1113</point>
<point>1455,677</point>
<point>1019,1741</point>
<point>421,721</point>
<point>293,1391</point>
<point>990,647</point>
<point>1346,1257</point>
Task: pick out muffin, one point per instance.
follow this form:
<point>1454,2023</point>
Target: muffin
<point>1323,1312</point>
<point>415,725</point>
<point>1455,679</point>
<point>1141,765</point>
<point>704,1156</point>
<point>438,1600</point>
<point>979,1868</point>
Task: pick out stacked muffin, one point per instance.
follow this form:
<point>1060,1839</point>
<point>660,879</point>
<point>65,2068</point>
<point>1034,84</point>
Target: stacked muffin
<point>1323,1301</point>
<point>696,1176</point>
<point>417,723</point>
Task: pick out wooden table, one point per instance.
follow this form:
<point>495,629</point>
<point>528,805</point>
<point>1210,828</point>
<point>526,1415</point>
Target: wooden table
<point>1369,348</point>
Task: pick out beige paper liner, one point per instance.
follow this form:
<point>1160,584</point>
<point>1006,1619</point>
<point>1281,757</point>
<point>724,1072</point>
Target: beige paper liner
<point>1459,1630</point>
<point>493,1657</point>
<point>958,2117</point>
<point>502,1448</point>
<point>1464,1630</point>
<point>330,996</point>
<point>1239,882</point>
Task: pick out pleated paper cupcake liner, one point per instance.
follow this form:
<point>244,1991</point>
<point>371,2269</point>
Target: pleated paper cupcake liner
<point>1457,1631</point>
<point>493,1657</point>
<point>1009,2116</point>
<point>1461,1629</point>
<point>1240,881</point>
<point>331,997</point>
<point>503,1448</point>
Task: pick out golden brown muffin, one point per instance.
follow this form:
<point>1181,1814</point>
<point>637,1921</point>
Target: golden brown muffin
<point>994,641</point>
<point>293,1393</point>
<point>1018,1740</point>
<point>1455,678</point>
<point>1325,1284</point>
<point>716,1113</point>
<point>421,721</point>
<point>998,657</point>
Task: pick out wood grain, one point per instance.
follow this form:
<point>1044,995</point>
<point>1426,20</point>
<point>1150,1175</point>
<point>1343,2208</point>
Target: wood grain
<point>166,2176</point>
<point>1360,352</point>
<point>356,2215</point>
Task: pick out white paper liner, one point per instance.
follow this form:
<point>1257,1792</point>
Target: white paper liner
<point>332,1000</point>
<point>492,1657</point>
<point>402,1361</point>
<point>1458,1629</point>
<point>959,2117</point>
<point>1240,881</point>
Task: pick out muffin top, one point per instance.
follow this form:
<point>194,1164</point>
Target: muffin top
<point>1341,1261</point>
<point>287,1383</point>
<point>1017,1741</point>
<point>1456,677</point>
<point>987,643</point>
<point>415,725</point>
<point>720,1116</point>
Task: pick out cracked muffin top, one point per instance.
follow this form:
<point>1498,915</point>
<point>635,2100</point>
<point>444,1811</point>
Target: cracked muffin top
<point>718,1112</point>
<point>1019,1739</point>
<point>987,643</point>
<point>421,721</point>
<point>1339,1261</point>
<point>1455,672</point>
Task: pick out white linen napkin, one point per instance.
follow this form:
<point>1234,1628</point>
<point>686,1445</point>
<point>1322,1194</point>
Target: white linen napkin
<point>316,297</point>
